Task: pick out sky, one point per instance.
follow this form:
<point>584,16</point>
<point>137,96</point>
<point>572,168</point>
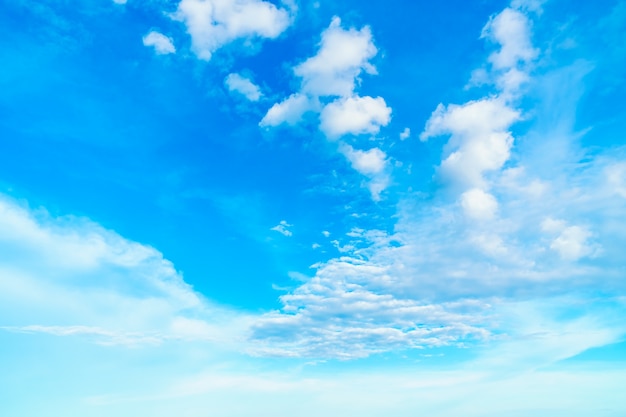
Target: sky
<point>235,208</point>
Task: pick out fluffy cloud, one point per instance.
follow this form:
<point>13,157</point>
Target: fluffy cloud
<point>289,111</point>
<point>373,164</point>
<point>354,115</point>
<point>511,30</point>
<point>215,23</point>
<point>480,140</point>
<point>342,56</point>
<point>243,86</point>
<point>162,44</point>
<point>370,162</point>
<point>463,256</point>
<point>405,134</point>
<point>328,82</point>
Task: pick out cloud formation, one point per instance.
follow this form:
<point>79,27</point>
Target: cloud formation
<point>215,23</point>
<point>244,86</point>
<point>328,81</point>
<point>162,44</point>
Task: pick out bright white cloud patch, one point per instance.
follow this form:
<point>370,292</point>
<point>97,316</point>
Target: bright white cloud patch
<point>366,162</point>
<point>510,28</point>
<point>478,204</point>
<point>215,23</point>
<point>243,86</point>
<point>354,115</point>
<point>328,83</point>
<point>342,56</point>
<point>480,139</point>
<point>405,134</point>
<point>162,44</point>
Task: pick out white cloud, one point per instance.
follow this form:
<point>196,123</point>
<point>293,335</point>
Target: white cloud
<point>162,44</point>
<point>405,134</point>
<point>244,86</point>
<point>289,111</point>
<point>511,29</point>
<point>215,23</point>
<point>369,162</point>
<point>480,140</point>
<point>478,204</point>
<point>342,56</point>
<point>354,115</point>
<point>283,228</point>
<point>69,276</point>
<point>571,242</point>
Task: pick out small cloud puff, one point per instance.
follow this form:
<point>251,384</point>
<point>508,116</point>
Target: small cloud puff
<point>405,134</point>
<point>283,228</point>
<point>244,86</point>
<point>162,44</point>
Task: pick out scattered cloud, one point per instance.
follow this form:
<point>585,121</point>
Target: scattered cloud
<point>289,111</point>
<point>244,86</point>
<point>405,134</point>
<point>342,56</point>
<point>162,44</point>
<point>215,23</point>
<point>283,228</point>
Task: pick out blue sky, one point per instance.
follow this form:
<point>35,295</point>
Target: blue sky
<point>245,207</point>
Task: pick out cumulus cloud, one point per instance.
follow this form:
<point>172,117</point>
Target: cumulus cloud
<point>511,30</point>
<point>480,140</point>
<point>328,83</point>
<point>215,23</point>
<point>342,56</point>
<point>405,134</point>
<point>370,162</point>
<point>162,44</point>
<point>244,86</point>
<point>354,115</point>
<point>462,256</point>
<point>289,111</point>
